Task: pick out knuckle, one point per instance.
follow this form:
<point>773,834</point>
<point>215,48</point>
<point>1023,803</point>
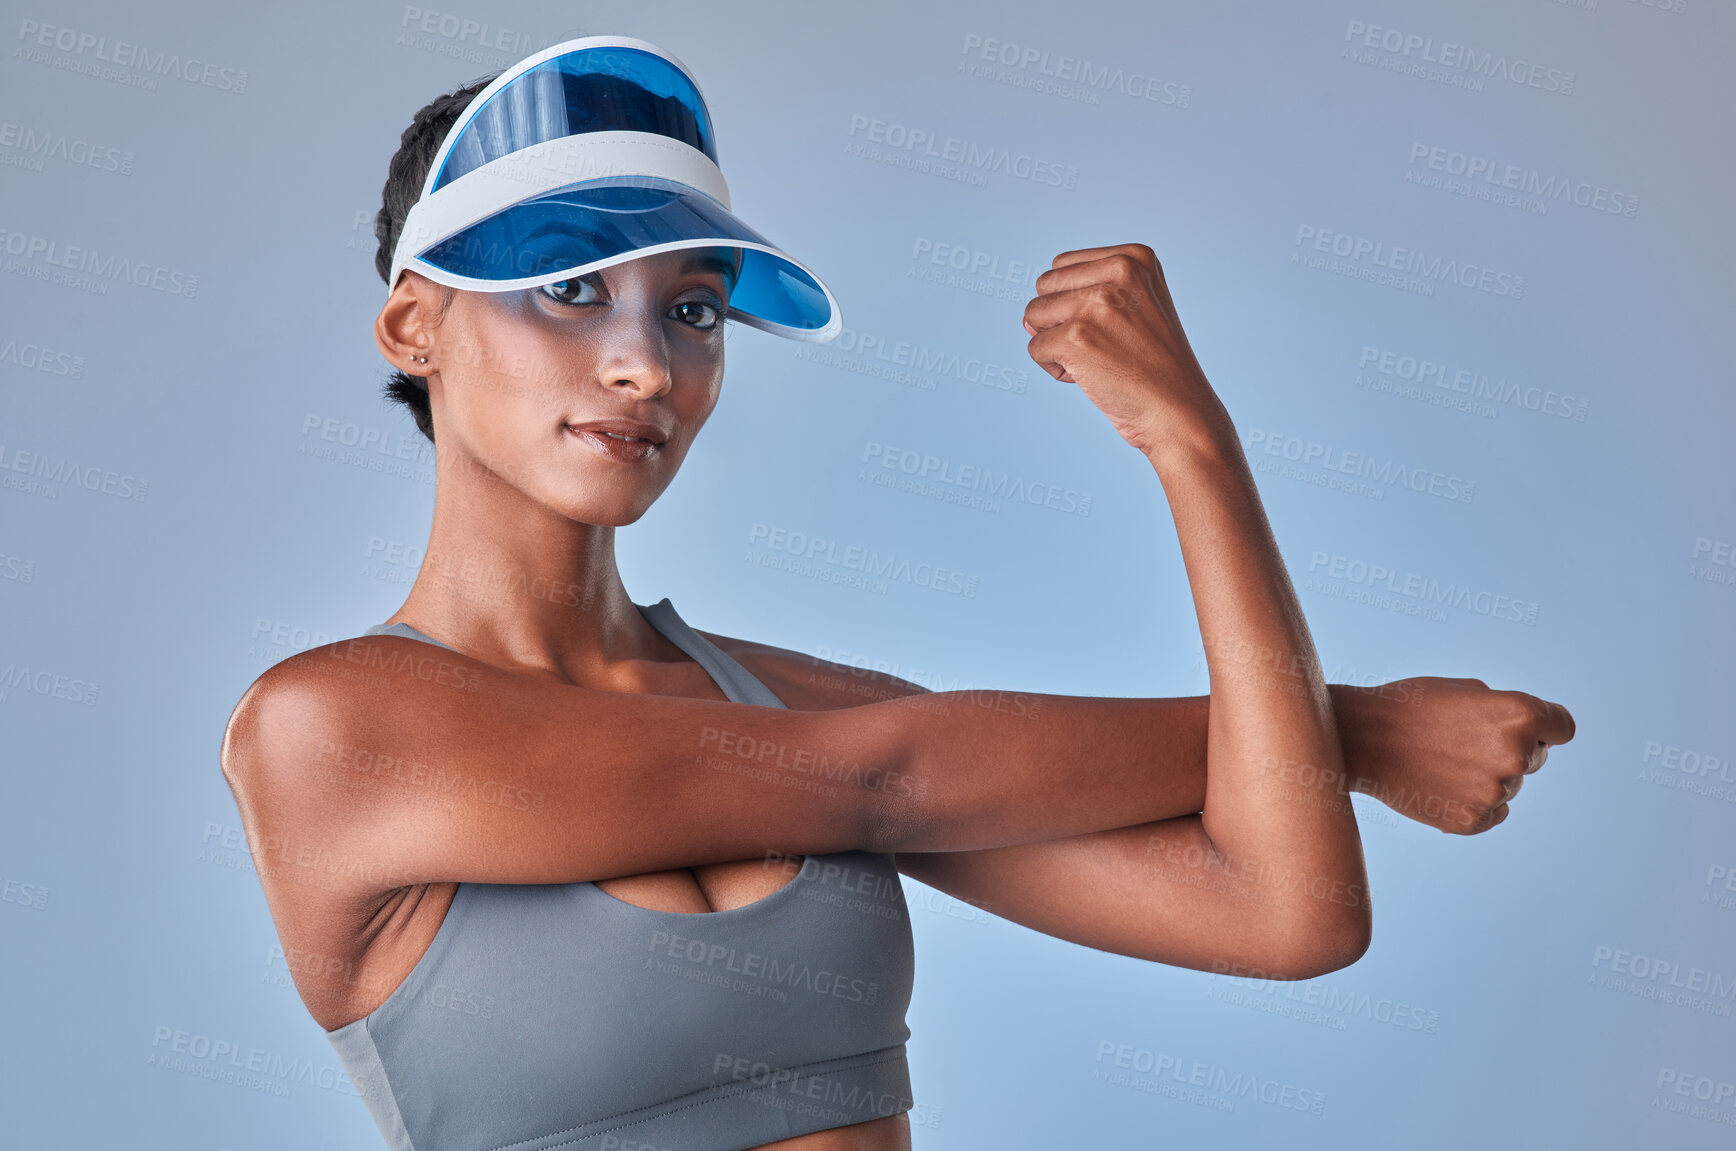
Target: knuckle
<point>1519,710</point>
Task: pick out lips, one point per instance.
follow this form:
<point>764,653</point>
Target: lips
<point>623,431</point>
<point>624,441</point>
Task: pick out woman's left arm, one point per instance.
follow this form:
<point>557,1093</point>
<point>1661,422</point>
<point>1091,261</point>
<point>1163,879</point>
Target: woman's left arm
<point>1433,749</point>
<point>1428,747</point>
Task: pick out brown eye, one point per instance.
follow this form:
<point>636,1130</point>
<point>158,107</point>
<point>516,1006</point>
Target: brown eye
<point>701,314</point>
<point>571,291</point>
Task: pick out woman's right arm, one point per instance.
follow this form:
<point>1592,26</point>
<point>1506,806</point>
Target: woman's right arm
<point>376,763</point>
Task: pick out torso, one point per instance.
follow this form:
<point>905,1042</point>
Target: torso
<point>347,959</point>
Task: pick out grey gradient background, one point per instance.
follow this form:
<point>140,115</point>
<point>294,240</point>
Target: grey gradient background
<point>132,618</point>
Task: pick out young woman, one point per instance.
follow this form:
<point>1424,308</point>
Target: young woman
<point>555,870</point>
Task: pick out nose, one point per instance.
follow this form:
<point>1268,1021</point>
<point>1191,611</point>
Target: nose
<point>634,352</point>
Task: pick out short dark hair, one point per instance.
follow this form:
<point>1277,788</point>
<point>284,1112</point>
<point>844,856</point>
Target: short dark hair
<point>404,178</point>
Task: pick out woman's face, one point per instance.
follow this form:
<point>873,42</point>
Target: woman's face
<point>520,375</point>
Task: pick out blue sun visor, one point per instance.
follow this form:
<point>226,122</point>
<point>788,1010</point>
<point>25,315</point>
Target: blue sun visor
<point>594,224</point>
<point>587,154</point>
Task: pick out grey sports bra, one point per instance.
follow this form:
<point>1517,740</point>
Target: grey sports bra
<point>548,1016</point>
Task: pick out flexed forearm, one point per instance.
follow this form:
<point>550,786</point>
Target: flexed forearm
<point>993,769</point>
<point>1274,804</point>
<point>1103,319</point>
<point>1027,767</point>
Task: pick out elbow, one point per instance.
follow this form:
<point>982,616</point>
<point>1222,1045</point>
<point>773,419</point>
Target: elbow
<point>1319,946</point>
<point>887,822</point>
<point>1344,945</point>
<point>896,805</point>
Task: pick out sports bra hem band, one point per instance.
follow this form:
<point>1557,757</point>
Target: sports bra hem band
<point>706,1095</point>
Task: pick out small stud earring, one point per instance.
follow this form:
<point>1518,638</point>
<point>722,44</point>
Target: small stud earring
<point>420,359</point>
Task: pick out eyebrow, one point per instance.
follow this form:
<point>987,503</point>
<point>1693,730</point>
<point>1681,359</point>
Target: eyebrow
<point>703,261</point>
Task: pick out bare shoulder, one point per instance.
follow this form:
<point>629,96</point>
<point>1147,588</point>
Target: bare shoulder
<point>264,753</point>
<point>243,739</point>
<point>809,683</point>
<point>290,692</point>
<point>280,742</point>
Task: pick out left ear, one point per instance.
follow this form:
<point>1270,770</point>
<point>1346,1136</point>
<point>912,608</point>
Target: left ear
<point>402,331</point>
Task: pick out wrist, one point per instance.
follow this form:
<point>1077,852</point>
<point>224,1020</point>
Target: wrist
<point>1203,441</point>
<point>1350,710</point>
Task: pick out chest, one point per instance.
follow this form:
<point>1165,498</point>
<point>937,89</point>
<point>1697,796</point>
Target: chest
<point>563,1008</point>
<point>706,888</point>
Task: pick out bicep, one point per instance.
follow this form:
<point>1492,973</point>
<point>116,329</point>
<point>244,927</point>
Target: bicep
<point>482,775</point>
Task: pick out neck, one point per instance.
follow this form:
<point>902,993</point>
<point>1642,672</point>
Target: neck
<point>524,586</point>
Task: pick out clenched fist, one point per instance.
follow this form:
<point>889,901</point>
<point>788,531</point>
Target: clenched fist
<point>1448,753</point>
<point>1103,319</point>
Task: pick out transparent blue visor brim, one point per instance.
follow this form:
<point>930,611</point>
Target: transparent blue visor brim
<point>587,90</point>
<point>564,232</point>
